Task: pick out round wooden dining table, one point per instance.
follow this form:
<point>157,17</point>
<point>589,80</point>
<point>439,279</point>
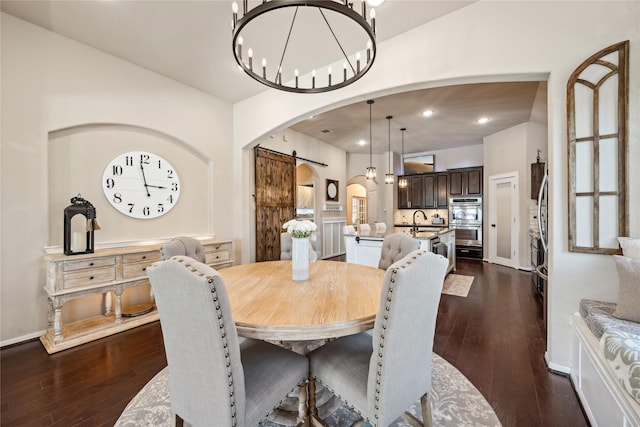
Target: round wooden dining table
<point>338,299</point>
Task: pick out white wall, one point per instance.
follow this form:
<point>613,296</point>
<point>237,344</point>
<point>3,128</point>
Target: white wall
<point>494,41</point>
<point>49,83</point>
<point>513,150</point>
<point>453,158</point>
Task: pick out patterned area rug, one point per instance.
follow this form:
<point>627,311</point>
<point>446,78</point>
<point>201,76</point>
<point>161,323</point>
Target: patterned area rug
<point>455,402</point>
<point>457,285</point>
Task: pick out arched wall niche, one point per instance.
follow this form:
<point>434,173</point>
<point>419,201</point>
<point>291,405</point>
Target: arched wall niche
<point>77,157</point>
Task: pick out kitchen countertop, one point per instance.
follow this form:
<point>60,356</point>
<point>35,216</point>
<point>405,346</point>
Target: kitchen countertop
<point>422,225</point>
<point>422,235</point>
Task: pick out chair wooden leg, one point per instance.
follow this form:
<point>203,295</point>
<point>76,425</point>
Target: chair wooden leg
<point>426,414</point>
<point>314,418</point>
<point>303,416</point>
<point>426,410</point>
<point>179,421</point>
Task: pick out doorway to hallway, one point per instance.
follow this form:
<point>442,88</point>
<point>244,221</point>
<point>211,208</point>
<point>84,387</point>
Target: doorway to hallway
<point>503,219</point>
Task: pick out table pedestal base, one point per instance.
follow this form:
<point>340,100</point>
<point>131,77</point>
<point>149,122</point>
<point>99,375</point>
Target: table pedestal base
<point>322,402</point>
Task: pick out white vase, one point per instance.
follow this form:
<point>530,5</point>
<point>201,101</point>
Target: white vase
<point>300,259</point>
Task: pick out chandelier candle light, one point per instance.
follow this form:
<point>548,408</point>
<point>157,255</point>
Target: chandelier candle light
<point>300,232</point>
<point>261,24</point>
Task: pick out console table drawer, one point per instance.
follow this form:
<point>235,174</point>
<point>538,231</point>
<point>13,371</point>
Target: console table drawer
<point>221,255</point>
<point>89,277</point>
<point>138,269</point>
<point>149,257</point>
<point>88,263</point>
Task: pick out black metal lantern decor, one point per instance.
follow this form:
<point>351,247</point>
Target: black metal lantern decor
<point>79,206</point>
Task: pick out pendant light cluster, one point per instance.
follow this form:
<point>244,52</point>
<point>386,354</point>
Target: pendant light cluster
<point>371,171</point>
<point>389,177</point>
<point>402,182</point>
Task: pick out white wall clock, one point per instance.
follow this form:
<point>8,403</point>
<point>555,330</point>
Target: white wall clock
<point>141,185</point>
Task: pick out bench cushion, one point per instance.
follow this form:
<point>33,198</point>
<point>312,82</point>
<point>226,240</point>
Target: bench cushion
<point>598,315</point>
<point>622,352</point>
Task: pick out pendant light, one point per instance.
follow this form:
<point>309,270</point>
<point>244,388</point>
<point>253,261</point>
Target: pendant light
<point>371,171</point>
<point>402,181</point>
<point>388,177</point>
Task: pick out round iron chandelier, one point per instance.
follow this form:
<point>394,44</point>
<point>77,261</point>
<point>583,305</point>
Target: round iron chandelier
<point>250,28</point>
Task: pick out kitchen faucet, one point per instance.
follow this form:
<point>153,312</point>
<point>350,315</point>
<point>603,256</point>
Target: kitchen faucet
<point>414,229</point>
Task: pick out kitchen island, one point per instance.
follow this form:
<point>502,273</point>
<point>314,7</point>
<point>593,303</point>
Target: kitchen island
<point>365,248</point>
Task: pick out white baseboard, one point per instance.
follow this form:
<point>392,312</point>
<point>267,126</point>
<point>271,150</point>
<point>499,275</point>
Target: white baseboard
<point>556,367</point>
<point>22,338</point>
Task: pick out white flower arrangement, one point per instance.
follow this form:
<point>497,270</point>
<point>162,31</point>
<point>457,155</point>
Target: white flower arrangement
<point>300,229</point>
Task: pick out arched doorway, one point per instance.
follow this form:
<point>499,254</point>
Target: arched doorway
<point>362,199</point>
<point>306,185</point>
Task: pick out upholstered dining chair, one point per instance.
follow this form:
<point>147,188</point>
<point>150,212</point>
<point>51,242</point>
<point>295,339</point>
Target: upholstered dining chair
<point>364,228</point>
<point>214,379</point>
<point>381,227</point>
<point>348,229</point>
<point>286,246</point>
<point>383,374</point>
<point>183,245</point>
<point>395,247</point>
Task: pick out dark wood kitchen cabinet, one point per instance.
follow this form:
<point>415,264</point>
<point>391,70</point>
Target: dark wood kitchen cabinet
<point>435,190</point>
<point>403,194</point>
<point>442,193</point>
<point>412,197</point>
<point>429,184</point>
<point>416,192</point>
<point>465,182</point>
<point>424,191</point>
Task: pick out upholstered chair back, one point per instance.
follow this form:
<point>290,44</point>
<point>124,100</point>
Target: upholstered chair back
<point>286,245</point>
<point>183,245</point>
<point>381,227</point>
<point>395,247</point>
<point>348,229</point>
<point>201,342</point>
<point>364,228</point>
<point>400,365</point>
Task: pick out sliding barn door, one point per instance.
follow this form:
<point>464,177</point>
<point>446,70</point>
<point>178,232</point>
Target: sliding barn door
<point>275,200</point>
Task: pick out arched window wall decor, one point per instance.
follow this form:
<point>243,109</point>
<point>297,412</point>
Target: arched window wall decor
<point>597,103</point>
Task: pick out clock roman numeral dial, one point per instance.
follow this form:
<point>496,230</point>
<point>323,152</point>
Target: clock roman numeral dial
<point>141,185</point>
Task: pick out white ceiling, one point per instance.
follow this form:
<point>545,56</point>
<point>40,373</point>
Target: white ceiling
<point>190,42</point>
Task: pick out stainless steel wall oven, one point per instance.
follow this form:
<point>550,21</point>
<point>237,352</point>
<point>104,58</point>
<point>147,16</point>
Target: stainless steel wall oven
<point>465,215</point>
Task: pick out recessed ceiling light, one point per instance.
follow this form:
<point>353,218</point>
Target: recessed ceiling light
<point>362,142</point>
<point>427,113</point>
<point>483,120</point>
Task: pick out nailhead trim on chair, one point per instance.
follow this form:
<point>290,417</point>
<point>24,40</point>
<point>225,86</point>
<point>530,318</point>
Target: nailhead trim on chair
<point>223,335</point>
<point>226,346</point>
<point>384,327</point>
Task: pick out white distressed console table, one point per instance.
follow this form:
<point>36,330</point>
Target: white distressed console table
<point>105,271</point>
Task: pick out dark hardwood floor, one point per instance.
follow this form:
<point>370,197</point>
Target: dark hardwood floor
<point>495,337</point>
